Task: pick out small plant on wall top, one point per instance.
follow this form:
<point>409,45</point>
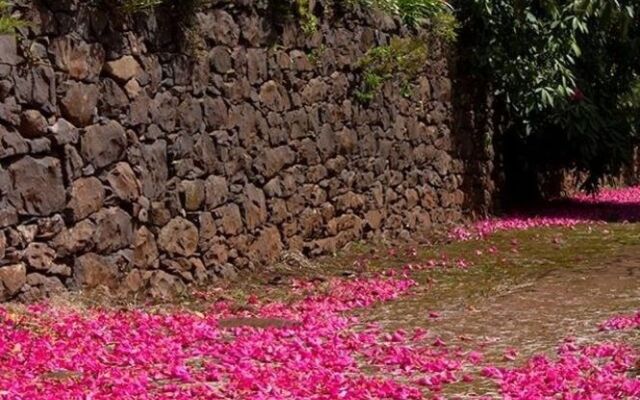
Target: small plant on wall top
<point>402,58</point>
<point>8,23</point>
<point>133,6</point>
<point>299,10</point>
<point>415,13</point>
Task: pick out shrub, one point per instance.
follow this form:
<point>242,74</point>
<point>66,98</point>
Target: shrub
<point>402,58</point>
<point>563,74</point>
<point>8,23</point>
<point>133,6</point>
<point>413,12</point>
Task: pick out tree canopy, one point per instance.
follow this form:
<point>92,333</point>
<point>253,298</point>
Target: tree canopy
<point>565,74</point>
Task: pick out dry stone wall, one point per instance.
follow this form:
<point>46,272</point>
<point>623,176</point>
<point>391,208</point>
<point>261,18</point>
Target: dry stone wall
<point>139,155</point>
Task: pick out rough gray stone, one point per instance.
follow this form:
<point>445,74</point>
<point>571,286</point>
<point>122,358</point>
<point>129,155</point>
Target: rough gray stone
<point>123,182</point>
<point>86,198</point>
<point>274,96</point>
<point>113,99</point>
<point>113,230</point>
<point>104,144</point>
<point>220,59</point>
<point>92,270</point>
<point>165,286</point>
<point>63,132</point>
<point>179,237</point>
<point>216,192</point>
<point>79,103</point>
<point>36,186</point>
<point>254,206</point>
<point>219,27</point>
<point>32,124</point>
<point>11,143</point>
<point>190,114</point>
<point>8,50</point>
<point>273,161</point>
<point>80,60</point>
<point>215,112</point>
<point>194,194</point>
<point>74,240</point>
<point>154,171</point>
<point>123,68</point>
<point>229,219</point>
<point>39,256</point>
<point>145,249</point>
<point>13,278</point>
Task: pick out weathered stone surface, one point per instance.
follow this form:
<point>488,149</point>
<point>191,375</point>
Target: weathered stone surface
<point>267,247</point>
<point>63,132</point>
<point>273,161</point>
<point>36,88</point>
<point>36,186</point>
<point>112,100</point>
<point>274,96</point>
<point>74,240</point>
<point>220,27</point>
<point>216,255</point>
<point>80,60</point>
<point>39,256</point>
<point>220,59</point>
<point>145,250</point>
<point>12,278</point>
<point>11,143</point>
<point>217,191</point>
<point>32,124</point>
<point>113,230</point>
<point>123,69</point>
<point>79,103</point>
<point>8,50</point>
<point>154,170</point>
<point>165,286</point>
<point>43,285</point>
<point>229,219</point>
<point>215,112</point>
<point>140,111</point>
<point>179,237</point>
<point>190,114</point>
<point>133,88</point>
<point>254,207</point>
<point>123,182</point>
<point>86,197</point>
<point>92,270</point>
<point>104,144</point>
<point>194,194</point>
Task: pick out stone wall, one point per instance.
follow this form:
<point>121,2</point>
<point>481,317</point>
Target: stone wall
<point>139,152</point>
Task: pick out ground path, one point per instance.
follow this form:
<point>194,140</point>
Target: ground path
<point>509,309</point>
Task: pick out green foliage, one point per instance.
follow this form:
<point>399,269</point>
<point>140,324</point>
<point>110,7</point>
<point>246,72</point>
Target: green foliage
<point>184,8</point>
<point>8,23</point>
<point>445,26</point>
<point>563,72</point>
<point>413,12</point>
<point>315,55</point>
<point>402,58</point>
<point>417,13</point>
<point>308,21</point>
<point>300,10</point>
<point>134,6</point>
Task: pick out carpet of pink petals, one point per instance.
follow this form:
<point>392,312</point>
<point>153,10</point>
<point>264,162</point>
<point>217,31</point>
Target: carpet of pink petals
<point>609,205</point>
<point>57,353</point>
<point>622,322</point>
